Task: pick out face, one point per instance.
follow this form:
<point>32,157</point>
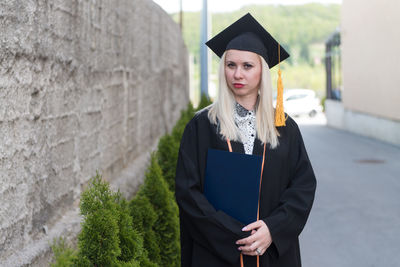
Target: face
<point>242,72</point>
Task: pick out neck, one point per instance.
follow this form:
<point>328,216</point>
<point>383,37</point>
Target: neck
<point>248,102</point>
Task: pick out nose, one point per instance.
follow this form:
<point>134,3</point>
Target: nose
<point>237,74</point>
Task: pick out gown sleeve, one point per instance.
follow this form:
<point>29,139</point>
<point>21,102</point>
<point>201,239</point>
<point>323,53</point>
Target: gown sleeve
<point>286,222</point>
<point>214,230</point>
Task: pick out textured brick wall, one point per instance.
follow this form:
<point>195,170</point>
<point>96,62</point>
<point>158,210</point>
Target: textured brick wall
<point>85,85</point>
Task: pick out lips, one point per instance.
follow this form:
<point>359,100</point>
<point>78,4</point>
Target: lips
<point>238,85</point>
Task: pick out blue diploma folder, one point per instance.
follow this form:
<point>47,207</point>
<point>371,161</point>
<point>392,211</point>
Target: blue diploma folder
<point>232,183</point>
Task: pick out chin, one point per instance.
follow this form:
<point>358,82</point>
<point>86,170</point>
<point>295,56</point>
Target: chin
<point>240,92</point>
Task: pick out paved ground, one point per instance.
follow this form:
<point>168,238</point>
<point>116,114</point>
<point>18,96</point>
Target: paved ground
<point>355,220</point>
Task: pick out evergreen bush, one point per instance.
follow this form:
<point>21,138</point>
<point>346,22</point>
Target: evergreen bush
<point>107,237</point>
<point>166,227</point>
<point>131,241</point>
<point>146,262</point>
<point>64,256</point>
<point>132,263</point>
<point>204,102</point>
<point>168,149</point>
<point>186,116</point>
<point>82,261</point>
<point>99,238</point>
<point>143,232</point>
<point>144,217</point>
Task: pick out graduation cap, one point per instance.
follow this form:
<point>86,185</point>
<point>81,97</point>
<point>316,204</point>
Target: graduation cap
<point>248,35</point>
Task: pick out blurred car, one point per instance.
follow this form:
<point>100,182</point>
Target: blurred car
<point>298,102</point>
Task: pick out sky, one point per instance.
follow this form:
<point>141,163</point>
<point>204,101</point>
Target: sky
<point>173,6</point>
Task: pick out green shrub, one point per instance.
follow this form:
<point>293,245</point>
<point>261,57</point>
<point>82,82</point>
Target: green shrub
<point>168,147</point>
<point>107,237</point>
<point>186,116</point>
<point>82,261</point>
<point>167,225</point>
<point>143,232</point>
<point>131,263</point>
<point>97,196</point>
<point>146,262</point>
<point>167,153</point>
<point>144,217</point>
<point>99,240</point>
<point>204,102</point>
<point>131,241</point>
<point>63,255</point>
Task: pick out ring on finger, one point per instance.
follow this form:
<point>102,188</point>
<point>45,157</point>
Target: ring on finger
<point>258,251</point>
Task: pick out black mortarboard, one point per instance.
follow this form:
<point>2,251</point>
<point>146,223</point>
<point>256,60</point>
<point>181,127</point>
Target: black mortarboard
<point>248,35</point>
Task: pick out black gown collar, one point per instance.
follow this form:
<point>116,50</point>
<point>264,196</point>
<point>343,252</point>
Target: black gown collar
<point>238,147</point>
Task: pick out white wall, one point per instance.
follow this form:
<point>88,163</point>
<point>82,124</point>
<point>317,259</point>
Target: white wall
<point>370,38</point>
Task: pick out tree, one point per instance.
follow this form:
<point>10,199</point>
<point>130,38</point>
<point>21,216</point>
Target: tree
<point>144,217</point>
<point>166,227</point>
<point>99,238</point>
<point>107,229</point>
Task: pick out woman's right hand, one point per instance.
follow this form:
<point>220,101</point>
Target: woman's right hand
<point>260,239</point>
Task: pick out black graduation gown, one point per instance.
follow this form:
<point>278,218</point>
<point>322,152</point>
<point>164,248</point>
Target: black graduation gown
<point>287,192</point>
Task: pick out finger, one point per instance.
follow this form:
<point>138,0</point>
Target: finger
<point>254,225</point>
<point>254,252</point>
<point>247,241</point>
<point>255,245</point>
<point>250,239</point>
<point>251,247</point>
<point>262,251</point>
<point>250,253</point>
<point>247,250</point>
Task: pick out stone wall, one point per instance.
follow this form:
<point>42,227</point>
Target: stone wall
<point>85,85</point>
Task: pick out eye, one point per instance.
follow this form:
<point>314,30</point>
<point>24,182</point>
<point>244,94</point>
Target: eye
<point>247,66</point>
<point>230,64</point>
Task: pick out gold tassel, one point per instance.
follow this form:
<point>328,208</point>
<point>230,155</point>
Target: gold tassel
<point>279,113</point>
<point>280,119</point>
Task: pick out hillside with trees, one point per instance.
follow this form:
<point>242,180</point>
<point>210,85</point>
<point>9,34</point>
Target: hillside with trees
<point>301,29</point>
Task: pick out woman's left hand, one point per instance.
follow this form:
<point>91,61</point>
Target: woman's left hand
<point>260,239</point>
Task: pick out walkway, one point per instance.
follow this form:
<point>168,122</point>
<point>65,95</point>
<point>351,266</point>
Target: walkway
<point>355,221</point>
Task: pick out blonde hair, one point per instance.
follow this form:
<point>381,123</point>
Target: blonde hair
<point>222,110</point>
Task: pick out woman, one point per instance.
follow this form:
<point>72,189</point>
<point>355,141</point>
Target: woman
<point>243,117</point>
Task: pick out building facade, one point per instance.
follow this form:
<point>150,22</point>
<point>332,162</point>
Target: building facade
<point>370,41</point>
